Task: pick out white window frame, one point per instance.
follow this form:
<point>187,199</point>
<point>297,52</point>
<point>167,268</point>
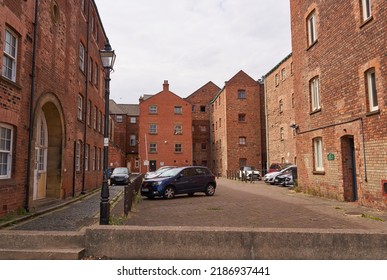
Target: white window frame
<point>96,74</point>
<point>242,140</point>
<point>283,74</point>
<point>282,133</point>
<point>133,119</point>
<point>311,28</point>
<point>87,152</point>
<point>178,148</point>
<point>10,55</point>
<point>119,118</point>
<point>178,110</point>
<point>6,150</point>
<point>153,148</point>
<point>178,129</point>
<point>153,128</point>
<point>93,153</point>
<point>371,90</point>
<point>152,109</point>
<point>88,112</point>
<point>78,152</point>
<point>80,107</point>
<point>315,97</point>
<point>318,154</point>
<point>82,57</point>
<point>366,6</point>
<point>95,117</point>
<point>241,94</point>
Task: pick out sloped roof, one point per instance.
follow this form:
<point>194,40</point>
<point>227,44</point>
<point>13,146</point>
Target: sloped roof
<point>130,109</point>
<point>114,108</point>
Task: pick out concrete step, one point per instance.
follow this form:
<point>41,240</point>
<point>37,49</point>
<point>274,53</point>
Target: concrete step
<point>42,254</point>
<point>41,245</point>
<point>10,239</point>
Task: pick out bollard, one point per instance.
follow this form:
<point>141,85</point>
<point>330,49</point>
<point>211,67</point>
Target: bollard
<point>128,198</point>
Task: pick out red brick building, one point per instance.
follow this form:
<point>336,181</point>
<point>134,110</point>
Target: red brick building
<point>237,112</point>
<point>201,125</point>
<point>340,70</point>
<point>123,150</point>
<point>279,95</point>
<point>165,130</point>
<point>51,101</point>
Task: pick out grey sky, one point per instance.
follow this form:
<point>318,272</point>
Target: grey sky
<point>191,42</point>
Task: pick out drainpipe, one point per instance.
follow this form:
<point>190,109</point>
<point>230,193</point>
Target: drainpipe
<point>267,126</point>
<point>364,152</point>
<point>31,121</point>
<point>86,99</point>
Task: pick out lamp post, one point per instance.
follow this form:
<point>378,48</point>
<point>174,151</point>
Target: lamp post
<point>107,58</point>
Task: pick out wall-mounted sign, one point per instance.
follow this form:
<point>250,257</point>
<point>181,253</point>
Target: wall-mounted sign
<point>331,156</point>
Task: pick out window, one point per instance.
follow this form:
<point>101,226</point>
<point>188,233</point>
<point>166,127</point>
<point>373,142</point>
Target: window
<point>95,118</point>
<point>178,110</point>
<point>133,140</point>
<point>178,148</point>
<point>242,140</point>
<point>178,129</point>
<point>78,149</point>
<point>93,153</point>
<point>119,118</point>
<point>99,159</point>
<point>88,112</point>
<point>91,65</point>
<point>371,90</point>
<point>153,129</point>
<point>153,109</point>
<point>193,108</point>
<point>282,134</point>
<point>204,146</point>
<point>283,74</point>
<point>366,9</point>
<point>241,117</point>
<point>83,7</point>
<point>311,28</point>
<point>153,148</point>
<point>242,162</point>
<point>82,57</point>
<point>281,106</point>
<point>80,107</point>
<point>203,128</point>
<point>6,143</point>
<point>96,74</point>
<point>133,119</point>
<point>87,151</point>
<point>10,53</point>
<point>241,94</point>
<point>202,108</point>
<point>99,121</point>
<point>318,155</point>
<point>315,94</point>
<point>220,122</point>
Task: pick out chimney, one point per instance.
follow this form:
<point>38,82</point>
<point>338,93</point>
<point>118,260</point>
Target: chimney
<point>165,85</point>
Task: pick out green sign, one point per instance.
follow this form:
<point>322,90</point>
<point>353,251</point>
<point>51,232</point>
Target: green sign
<point>331,156</point>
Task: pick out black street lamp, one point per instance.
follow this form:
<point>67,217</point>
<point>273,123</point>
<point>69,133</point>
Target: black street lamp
<point>107,57</point>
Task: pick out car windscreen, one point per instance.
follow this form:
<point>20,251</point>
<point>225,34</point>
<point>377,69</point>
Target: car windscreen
<point>120,171</point>
<point>171,172</point>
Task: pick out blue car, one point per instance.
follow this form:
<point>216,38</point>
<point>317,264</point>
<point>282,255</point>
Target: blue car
<point>180,180</point>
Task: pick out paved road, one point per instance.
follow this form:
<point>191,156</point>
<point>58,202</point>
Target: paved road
<point>238,204</point>
<point>235,204</point>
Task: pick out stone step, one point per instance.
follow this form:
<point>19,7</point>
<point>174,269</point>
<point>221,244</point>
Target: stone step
<point>42,254</point>
<point>10,239</point>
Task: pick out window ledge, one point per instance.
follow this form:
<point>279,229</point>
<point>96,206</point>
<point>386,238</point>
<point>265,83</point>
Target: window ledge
<point>364,23</point>
<point>7,182</point>
<point>311,46</point>
<point>318,172</point>
<point>315,112</point>
<point>376,112</point>
<point>12,83</point>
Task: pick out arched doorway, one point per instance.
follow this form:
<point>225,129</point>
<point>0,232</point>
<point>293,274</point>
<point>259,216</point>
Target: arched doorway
<point>349,168</point>
<point>48,152</point>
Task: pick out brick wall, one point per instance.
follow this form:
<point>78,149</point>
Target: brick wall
<point>346,47</point>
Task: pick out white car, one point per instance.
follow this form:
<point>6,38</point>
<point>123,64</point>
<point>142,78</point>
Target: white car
<point>270,177</point>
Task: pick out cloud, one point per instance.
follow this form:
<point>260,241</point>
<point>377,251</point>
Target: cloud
<point>190,42</point>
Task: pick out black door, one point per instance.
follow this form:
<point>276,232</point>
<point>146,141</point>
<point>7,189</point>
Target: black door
<point>152,165</point>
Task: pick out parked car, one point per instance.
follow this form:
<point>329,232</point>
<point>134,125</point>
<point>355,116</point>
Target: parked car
<point>249,171</point>
<point>286,177</point>
<point>158,172</point>
<point>270,177</point>
<point>120,176</point>
<point>180,180</point>
<point>274,167</point>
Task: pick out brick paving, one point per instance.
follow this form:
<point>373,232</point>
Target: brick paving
<point>235,204</point>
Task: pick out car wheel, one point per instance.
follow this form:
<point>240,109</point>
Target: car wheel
<point>150,196</point>
<point>169,192</point>
<point>210,190</point>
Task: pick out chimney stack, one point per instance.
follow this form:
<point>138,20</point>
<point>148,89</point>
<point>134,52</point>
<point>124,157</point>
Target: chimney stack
<point>165,85</point>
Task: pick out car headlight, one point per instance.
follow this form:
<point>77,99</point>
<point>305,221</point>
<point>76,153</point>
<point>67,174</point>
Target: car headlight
<point>155,184</point>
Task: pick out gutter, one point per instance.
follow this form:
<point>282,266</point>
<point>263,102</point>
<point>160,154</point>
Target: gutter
<point>31,122</point>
